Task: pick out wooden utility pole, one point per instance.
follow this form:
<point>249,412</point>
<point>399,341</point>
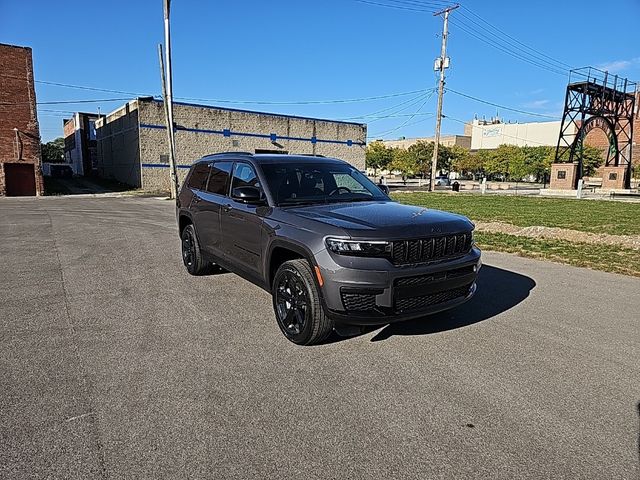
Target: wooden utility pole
<point>441,64</point>
<point>167,95</point>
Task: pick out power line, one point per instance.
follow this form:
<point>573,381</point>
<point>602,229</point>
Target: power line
<point>465,28</point>
<point>377,112</point>
<point>542,54</point>
<point>303,102</point>
<point>404,124</point>
<point>94,89</point>
<point>397,7</point>
<point>533,114</point>
<point>62,102</point>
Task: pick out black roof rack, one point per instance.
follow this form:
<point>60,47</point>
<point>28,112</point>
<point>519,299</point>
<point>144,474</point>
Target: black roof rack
<point>228,153</point>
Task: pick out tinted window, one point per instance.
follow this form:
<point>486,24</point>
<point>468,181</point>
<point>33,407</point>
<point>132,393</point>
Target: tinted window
<point>326,182</point>
<point>244,176</point>
<point>219,178</point>
<point>199,175</point>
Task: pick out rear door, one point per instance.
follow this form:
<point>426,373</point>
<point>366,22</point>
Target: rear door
<point>208,204</point>
<point>242,223</point>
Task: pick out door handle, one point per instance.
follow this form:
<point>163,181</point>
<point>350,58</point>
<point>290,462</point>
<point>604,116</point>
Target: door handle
<point>227,208</point>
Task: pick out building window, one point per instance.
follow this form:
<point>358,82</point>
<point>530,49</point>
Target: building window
<point>562,174</point>
<point>164,158</point>
<point>613,176</point>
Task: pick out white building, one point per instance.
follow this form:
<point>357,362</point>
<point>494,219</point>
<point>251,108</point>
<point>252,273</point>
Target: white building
<point>490,135</point>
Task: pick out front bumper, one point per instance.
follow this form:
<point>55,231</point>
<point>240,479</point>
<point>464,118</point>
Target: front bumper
<point>375,297</point>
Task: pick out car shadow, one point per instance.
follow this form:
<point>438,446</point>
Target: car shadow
<point>498,290</point>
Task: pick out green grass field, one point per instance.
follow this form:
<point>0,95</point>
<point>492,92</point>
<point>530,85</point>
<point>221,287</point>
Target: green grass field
<point>608,258</point>
<point>595,216</point>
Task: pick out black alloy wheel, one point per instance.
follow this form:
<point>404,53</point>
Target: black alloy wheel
<point>192,257</point>
<point>297,304</point>
<point>292,303</point>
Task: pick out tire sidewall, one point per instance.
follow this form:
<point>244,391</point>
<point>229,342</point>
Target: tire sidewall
<point>189,230</point>
<point>305,335</point>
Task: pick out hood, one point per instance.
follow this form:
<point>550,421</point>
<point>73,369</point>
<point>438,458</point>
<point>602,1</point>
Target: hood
<point>384,220</point>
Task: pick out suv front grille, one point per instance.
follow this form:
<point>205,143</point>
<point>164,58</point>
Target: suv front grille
<point>405,252</point>
<point>424,301</point>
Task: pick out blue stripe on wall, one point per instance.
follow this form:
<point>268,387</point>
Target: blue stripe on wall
<point>270,136</point>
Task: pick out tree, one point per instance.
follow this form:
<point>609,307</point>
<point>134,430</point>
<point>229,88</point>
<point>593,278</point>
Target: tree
<point>404,161</point>
<point>592,158</point>
<point>378,156</point>
<point>423,153</point>
<point>470,163</point>
<point>53,151</point>
<point>497,163</point>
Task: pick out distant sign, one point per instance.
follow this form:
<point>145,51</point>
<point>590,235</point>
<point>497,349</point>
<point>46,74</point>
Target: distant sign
<point>492,132</point>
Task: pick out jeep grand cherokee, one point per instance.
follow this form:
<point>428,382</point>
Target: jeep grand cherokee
<point>328,244</point>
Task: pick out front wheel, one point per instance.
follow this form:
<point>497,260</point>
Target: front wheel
<point>297,305</point>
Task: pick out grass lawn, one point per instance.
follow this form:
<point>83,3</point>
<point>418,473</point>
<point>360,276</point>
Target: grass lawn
<point>598,216</point>
<point>608,258</point>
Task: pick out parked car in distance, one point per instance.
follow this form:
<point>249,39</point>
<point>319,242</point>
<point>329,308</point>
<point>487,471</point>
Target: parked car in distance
<point>442,181</point>
<point>328,244</point>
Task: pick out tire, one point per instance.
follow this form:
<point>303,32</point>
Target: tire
<point>297,305</point>
<point>191,253</point>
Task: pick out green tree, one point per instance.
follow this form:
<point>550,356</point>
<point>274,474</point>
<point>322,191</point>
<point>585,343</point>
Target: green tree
<point>423,153</point>
<point>497,163</point>
<point>378,156</point>
<point>592,158</point>
<point>53,151</point>
<point>470,163</point>
<point>404,161</point>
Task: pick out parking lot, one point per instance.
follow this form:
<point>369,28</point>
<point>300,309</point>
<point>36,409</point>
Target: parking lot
<point>117,364</point>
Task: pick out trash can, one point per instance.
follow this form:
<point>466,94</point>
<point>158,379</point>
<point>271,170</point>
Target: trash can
<point>455,186</point>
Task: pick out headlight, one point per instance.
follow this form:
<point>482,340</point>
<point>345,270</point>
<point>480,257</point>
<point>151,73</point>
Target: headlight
<point>360,248</point>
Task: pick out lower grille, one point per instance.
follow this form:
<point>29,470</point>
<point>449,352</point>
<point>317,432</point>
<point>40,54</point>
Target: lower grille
<point>358,301</point>
<point>424,301</point>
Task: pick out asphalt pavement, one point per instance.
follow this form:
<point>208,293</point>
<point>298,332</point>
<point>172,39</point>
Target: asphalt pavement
<point>115,363</point>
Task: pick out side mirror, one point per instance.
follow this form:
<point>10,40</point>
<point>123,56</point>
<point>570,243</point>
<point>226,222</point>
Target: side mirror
<point>247,194</point>
<point>384,188</point>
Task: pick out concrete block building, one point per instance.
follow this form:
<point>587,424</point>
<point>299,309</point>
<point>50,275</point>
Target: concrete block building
<point>133,147</point>
<point>20,155</point>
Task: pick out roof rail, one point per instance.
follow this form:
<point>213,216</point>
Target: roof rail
<point>311,155</point>
<point>229,153</point>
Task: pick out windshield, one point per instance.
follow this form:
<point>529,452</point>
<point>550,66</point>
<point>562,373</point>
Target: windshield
<point>309,183</point>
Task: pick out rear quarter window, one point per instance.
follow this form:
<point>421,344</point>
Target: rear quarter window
<point>198,177</point>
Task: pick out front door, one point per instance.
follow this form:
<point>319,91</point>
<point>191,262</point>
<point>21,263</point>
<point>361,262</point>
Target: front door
<point>241,223</point>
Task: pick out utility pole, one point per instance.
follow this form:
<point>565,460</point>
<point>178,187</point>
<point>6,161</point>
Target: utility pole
<point>442,63</point>
<point>167,93</point>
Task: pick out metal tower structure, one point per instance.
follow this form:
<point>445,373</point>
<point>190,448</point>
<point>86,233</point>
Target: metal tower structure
<point>595,99</point>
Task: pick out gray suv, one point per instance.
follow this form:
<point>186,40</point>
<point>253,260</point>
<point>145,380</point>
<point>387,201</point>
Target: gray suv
<point>329,245</point>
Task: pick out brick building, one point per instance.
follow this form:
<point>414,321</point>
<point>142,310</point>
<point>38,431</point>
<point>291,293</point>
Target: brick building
<point>133,147</point>
<point>20,157</point>
<point>80,145</point>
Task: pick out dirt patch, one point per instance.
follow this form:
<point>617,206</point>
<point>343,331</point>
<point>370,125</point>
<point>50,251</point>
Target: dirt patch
<point>627,241</point>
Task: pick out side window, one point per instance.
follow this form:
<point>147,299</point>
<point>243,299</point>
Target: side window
<point>219,178</point>
<point>244,176</point>
<point>198,177</point>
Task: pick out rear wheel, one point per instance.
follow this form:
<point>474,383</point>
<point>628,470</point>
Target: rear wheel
<point>297,305</point>
<point>191,253</point>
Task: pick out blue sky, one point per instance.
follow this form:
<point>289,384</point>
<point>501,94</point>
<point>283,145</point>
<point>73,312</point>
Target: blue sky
<point>300,50</point>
